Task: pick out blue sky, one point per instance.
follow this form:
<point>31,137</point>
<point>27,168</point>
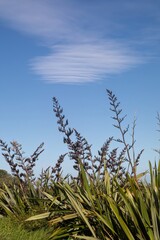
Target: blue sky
<point>74,50</point>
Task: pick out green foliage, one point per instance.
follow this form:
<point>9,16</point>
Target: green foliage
<point>107,199</point>
<point>107,211</point>
<point>10,230</point>
<point>6,178</point>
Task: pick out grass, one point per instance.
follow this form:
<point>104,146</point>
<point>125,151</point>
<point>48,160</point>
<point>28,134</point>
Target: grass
<point>11,230</point>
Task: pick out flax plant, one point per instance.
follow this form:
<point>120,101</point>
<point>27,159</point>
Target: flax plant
<point>106,200</point>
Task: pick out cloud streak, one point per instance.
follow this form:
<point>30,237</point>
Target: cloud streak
<point>86,42</point>
<point>82,63</point>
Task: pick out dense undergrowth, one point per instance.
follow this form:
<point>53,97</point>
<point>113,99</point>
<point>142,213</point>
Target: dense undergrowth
<point>106,199</point>
<point>12,230</point>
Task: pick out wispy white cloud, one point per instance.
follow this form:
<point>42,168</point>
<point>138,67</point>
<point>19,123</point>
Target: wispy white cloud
<point>35,17</point>
<point>85,62</point>
<point>86,41</point>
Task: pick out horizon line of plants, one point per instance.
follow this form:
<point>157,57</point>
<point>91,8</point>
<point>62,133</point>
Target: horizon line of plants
<point>106,199</point>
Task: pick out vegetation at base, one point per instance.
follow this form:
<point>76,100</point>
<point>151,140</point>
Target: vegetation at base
<point>10,230</point>
<point>6,178</point>
<point>107,199</point>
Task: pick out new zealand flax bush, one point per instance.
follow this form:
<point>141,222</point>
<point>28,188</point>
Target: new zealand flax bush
<point>107,199</point>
